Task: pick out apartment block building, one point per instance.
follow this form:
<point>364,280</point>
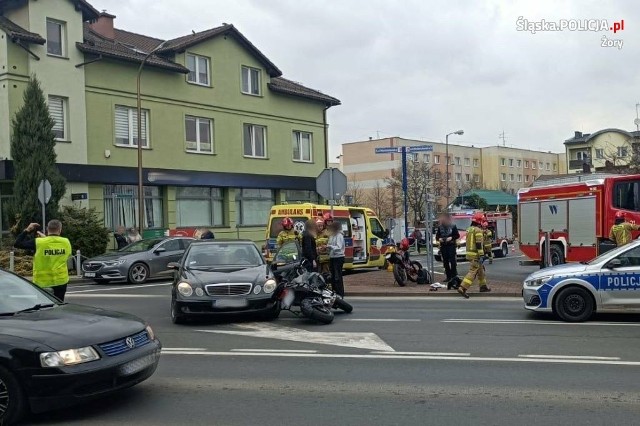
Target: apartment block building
<point>224,134</point>
<point>470,167</point>
<point>607,147</point>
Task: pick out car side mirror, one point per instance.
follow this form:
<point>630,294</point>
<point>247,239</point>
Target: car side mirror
<point>274,266</point>
<point>614,263</point>
<point>160,250</point>
<point>173,265</point>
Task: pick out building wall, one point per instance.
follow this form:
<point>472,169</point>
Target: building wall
<point>510,169</point>
<point>600,148</point>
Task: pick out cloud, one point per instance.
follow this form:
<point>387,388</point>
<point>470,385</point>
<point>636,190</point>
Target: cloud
<point>424,68</point>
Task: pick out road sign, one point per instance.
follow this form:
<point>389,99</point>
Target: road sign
<point>44,192</point>
<point>331,184</point>
<point>389,150</point>
<point>420,148</point>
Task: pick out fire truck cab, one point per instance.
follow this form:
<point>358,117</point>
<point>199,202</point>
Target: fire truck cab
<point>500,224</point>
<point>578,212</point>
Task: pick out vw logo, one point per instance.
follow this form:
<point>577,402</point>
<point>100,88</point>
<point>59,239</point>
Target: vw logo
<point>130,342</point>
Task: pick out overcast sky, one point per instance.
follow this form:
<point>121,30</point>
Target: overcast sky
<point>420,68</point>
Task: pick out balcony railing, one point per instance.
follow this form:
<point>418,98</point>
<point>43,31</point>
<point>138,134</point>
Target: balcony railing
<point>576,164</point>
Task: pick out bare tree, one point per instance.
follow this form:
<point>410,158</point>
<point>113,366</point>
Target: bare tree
<point>422,179</point>
<point>621,159</point>
<point>354,193</point>
<point>380,200</point>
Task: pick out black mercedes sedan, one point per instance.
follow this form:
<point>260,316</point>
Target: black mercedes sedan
<point>55,354</point>
<point>219,277</point>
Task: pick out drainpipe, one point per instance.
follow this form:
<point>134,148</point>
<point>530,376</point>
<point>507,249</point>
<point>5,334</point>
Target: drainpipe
<point>326,136</point>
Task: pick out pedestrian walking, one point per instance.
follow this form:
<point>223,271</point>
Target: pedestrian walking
<point>621,232</point>
<point>336,257</point>
<point>133,236</point>
<point>447,235</point>
<point>476,257</point>
<point>417,238</point>
<point>50,270</point>
<point>309,249</point>
<point>121,237</point>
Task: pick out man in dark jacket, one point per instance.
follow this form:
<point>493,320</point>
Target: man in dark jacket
<point>447,236</point>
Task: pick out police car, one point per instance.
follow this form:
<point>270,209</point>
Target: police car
<point>610,282</point>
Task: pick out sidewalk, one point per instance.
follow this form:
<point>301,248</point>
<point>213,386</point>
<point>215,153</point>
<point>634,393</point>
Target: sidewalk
<point>381,284</point>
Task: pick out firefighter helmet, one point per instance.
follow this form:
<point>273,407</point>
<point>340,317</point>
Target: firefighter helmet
<point>478,218</point>
<point>404,244</point>
<point>287,223</point>
<point>485,224</point>
<point>327,217</point>
<point>620,215</point>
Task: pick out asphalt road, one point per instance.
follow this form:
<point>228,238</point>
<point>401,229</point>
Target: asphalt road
<point>444,361</point>
<point>506,269</point>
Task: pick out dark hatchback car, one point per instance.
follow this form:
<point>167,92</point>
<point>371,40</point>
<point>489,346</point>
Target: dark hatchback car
<point>55,354</point>
<point>222,277</point>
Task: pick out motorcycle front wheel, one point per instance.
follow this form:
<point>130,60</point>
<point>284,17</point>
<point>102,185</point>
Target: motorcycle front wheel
<point>412,274</point>
<point>315,312</point>
<point>400,275</point>
<point>345,306</point>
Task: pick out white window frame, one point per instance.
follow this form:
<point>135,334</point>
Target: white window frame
<point>427,158</point>
<point>510,162</point>
<point>555,167</point>
<point>512,178</point>
<point>476,162</point>
<point>623,152</point>
<point>600,153</point>
<point>63,35</point>
<point>540,165</point>
<point>526,178</point>
<point>467,162</point>
<point>526,164</point>
<point>198,149</point>
<point>467,177</point>
<point>457,160</point>
<point>132,114</point>
<point>253,140</point>
<point>533,165</point>
<point>436,159</point>
<point>64,102</point>
<point>547,166</point>
<point>458,177</point>
<point>197,70</point>
<point>297,136</point>
<point>519,178</point>
<point>503,177</point>
<point>476,178</point>
<point>503,162</point>
<point>250,81</point>
<point>519,163</point>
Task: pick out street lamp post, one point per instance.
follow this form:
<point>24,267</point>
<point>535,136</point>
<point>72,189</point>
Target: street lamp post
<point>447,177</point>
<point>140,182</point>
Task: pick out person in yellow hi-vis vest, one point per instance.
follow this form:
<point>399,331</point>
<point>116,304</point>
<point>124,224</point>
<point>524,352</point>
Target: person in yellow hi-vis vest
<point>475,256</point>
<point>488,241</point>
<point>621,232</point>
<point>321,242</point>
<point>50,270</point>
<point>287,233</point>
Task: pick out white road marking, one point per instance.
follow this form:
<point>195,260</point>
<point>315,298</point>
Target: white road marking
<point>352,340</point>
<point>118,295</point>
<point>536,322</point>
<point>613,358</point>
<point>423,353</point>
<point>425,298</point>
<point>413,357</point>
<point>293,351</point>
<point>124,287</point>
<point>184,349</point>
<point>382,320</point>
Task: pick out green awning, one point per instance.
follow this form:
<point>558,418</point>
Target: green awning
<point>493,198</point>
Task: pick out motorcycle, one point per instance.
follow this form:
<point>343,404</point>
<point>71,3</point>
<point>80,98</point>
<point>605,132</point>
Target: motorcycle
<point>307,293</point>
<point>403,268</point>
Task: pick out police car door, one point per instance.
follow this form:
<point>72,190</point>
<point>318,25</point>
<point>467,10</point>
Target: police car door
<point>620,281</point>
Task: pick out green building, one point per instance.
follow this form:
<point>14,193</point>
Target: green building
<point>225,136</point>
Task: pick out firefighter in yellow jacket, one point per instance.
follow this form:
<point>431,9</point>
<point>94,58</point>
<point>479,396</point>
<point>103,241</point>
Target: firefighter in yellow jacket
<point>50,270</point>
<point>621,232</point>
<point>475,256</point>
<point>287,233</point>
<point>488,241</point>
<point>321,243</point>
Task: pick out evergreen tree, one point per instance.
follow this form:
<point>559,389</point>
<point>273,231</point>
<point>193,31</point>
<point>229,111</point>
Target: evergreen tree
<point>34,159</point>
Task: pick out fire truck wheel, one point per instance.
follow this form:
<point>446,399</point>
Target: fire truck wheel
<point>573,304</point>
<point>557,255</point>
<point>503,251</point>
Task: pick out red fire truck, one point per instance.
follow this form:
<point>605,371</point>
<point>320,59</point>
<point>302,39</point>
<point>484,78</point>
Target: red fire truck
<point>500,224</point>
<point>578,212</point>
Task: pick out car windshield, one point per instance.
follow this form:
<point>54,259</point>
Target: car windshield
<point>144,245</point>
<point>462,223</point>
<point>609,254</point>
<point>208,256</point>
<point>17,294</point>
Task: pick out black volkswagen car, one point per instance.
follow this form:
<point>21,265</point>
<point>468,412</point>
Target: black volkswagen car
<point>222,277</point>
<point>55,354</point>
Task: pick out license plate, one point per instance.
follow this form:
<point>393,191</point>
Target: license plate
<point>89,274</point>
<point>137,365</point>
<point>230,303</point>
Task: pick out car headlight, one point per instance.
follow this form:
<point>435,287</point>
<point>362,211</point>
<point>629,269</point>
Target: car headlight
<point>150,332</point>
<point>269,286</point>
<point>114,262</point>
<point>537,282</point>
<point>185,289</point>
<point>68,357</point>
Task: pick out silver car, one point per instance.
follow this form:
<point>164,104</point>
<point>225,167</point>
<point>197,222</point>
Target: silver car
<point>137,262</point>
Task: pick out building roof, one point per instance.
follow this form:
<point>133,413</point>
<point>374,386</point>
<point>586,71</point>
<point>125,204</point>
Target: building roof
<point>89,13</point>
<point>139,41</point>
<point>580,138</point>
<point>493,198</point>
<point>16,32</point>
<point>288,87</point>
<point>180,44</point>
<point>116,49</point>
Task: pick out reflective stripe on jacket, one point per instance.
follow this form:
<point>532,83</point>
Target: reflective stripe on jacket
<point>621,233</point>
<point>475,243</point>
<point>285,236</point>
<point>50,261</point>
<point>321,243</point>
<point>488,243</point>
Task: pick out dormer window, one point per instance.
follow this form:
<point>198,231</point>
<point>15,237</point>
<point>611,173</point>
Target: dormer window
<point>198,69</point>
<point>251,81</point>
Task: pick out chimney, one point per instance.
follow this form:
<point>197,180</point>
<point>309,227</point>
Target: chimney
<point>577,135</point>
<point>104,25</point>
